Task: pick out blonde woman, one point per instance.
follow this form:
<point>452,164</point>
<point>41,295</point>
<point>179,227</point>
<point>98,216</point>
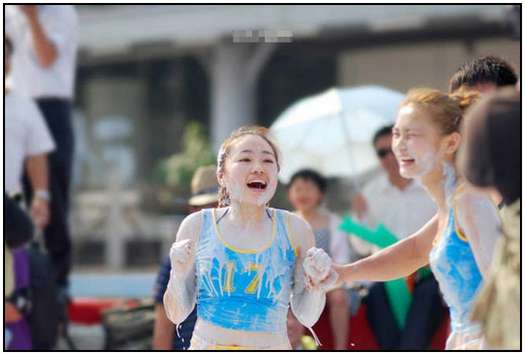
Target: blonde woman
<point>426,137</point>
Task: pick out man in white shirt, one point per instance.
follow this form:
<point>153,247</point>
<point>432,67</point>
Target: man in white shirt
<point>403,207</point>
<point>45,42</point>
<point>27,142</point>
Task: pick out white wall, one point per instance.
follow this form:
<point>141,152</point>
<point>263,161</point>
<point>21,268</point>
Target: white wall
<point>424,64</point>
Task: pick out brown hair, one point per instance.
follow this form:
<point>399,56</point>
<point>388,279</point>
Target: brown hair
<point>447,109</point>
<point>225,149</point>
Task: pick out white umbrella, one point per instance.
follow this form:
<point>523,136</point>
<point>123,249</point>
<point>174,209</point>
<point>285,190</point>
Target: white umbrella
<point>332,132</point>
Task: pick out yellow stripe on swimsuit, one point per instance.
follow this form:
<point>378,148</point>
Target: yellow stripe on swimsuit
<point>244,289</point>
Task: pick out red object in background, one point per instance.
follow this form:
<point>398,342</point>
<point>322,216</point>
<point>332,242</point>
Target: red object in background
<point>439,339</point>
<point>88,310</point>
<point>361,336</point>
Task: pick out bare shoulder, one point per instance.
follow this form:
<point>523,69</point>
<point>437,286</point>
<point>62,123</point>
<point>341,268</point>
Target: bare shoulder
<point>296,222</point>
<point>472,206</point>
<point>190,227</point>
<point>300,232</point>
<point>468,200</point>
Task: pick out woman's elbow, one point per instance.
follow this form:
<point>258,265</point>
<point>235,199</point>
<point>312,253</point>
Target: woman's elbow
<point>170,313</point>
<point>47,57</point>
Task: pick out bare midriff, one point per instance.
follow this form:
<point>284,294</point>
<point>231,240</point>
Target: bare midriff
<point>223,337</point>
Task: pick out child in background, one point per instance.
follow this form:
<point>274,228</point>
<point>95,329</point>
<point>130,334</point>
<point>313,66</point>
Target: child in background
<point>306,191</point>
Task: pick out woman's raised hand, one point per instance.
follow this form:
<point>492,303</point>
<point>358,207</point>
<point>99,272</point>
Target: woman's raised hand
<point>182,256</point>
<point>318,269</point>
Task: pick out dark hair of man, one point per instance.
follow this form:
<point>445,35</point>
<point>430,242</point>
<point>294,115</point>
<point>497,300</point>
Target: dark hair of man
<point>309,175</point>
<point>487,69</point>
<point>383,131</point>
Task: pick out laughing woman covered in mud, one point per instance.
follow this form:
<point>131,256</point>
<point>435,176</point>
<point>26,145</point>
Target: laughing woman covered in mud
<point>425,141</point>
<point>244,263</point>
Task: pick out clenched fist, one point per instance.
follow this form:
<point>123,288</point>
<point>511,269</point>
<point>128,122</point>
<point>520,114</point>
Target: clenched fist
<point>318,269</point>
<point>317,264</point>
<point>182,256</point>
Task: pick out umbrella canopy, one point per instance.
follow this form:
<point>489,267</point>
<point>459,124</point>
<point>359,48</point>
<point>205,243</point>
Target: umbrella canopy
<point>332,132</point>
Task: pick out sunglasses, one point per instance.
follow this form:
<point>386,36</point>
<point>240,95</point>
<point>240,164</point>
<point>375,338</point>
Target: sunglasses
<point>383,152</point>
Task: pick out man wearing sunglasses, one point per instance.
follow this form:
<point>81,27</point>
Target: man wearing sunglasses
<point>403,207</point>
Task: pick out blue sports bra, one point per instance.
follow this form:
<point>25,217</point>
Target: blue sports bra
<point>244,289</point>
<point>453,264</point>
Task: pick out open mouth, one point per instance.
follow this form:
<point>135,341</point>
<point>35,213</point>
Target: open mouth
<point>257,185</point>
<point>405,161</point>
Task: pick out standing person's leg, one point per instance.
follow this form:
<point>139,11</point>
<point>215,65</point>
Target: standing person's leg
<point>381,319</point>
<point>57,114</point>
<point>339,317</point>
<point>425,315</point>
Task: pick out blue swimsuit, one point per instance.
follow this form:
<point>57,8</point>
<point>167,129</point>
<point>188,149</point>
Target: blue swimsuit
<point>453,264</point>
<point>244,289</point>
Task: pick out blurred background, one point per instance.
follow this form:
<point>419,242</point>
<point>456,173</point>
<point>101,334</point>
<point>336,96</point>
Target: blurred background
<point>160,86</point>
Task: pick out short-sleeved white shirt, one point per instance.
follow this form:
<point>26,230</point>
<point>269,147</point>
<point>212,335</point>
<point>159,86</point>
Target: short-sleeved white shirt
<point>402,212</point>
<point>339,243</point>
<point>25,134</point>
<point>28,77</point>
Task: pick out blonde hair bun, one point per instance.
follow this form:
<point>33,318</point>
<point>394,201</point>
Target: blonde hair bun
<point>465,97</point>
<point>446,110</point>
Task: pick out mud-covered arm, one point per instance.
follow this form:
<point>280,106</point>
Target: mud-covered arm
<point>307,303</point>
<point>181,293</point>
